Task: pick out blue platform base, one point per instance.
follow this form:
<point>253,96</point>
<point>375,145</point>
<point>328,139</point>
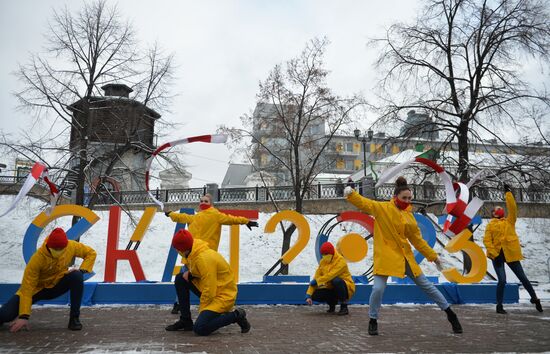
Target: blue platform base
<point>275,293</point>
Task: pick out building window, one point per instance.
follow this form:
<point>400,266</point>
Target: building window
<point>349,165</point>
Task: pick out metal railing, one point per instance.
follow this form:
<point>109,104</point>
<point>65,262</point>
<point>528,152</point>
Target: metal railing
<point>421,193</point>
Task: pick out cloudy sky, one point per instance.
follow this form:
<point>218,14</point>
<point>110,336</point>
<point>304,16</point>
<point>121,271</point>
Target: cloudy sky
<point>222,50</point>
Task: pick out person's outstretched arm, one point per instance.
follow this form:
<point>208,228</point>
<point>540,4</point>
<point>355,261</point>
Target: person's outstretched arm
<point>366,205</point>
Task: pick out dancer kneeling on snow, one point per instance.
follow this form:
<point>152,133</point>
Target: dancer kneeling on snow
<point>211,279</point>
<point>332,282</point>
<point>394,227</point>
<point>207,224</point>
<point>47,276</point>
<point>502,244</point>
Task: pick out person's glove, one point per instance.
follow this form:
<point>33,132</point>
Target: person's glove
<point>313,282</point>
<point>347,191</point>
<point>167,213</point>
<point>83,271</point>
<point>251,224</point>
<point>507,188</point>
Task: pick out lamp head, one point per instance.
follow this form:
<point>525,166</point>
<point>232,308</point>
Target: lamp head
<point>370,134</point>
<point>357,132</point>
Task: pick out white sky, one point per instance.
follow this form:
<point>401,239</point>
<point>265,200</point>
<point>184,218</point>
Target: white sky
<point>223,49</point>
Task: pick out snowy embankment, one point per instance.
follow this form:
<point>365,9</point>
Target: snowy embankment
<point>258,250</point>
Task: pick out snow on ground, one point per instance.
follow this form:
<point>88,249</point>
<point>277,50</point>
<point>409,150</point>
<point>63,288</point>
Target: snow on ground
<point>258,251</point>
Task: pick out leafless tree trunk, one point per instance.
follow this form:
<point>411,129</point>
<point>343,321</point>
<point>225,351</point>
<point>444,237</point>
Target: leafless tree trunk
<point>296,118</point>
<point>460,62</point>
<point>85,51</point>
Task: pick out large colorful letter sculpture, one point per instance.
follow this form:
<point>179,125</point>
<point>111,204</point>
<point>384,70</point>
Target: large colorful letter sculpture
<point>461,242</point>
<point>303,232</point>
<point>88,219</point>
<point>113,254</point>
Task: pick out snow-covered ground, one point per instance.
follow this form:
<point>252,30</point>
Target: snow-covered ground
<point>258,250</point>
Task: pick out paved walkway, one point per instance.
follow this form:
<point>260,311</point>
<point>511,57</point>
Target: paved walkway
<point>287,329</point>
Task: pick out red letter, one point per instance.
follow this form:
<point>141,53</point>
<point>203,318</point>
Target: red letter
<point>113,254</point>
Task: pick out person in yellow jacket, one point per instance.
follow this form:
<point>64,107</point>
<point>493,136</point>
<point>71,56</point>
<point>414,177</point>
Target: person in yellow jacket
<point>502,245</point>
<point>332,282</point>
<point>211,279</point>
<point>207,224</point>
<point>395,229</point>
<point>47,276</point>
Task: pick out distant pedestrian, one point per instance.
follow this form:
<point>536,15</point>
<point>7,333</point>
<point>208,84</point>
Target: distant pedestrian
<point>339,188</point>
<point>332,282</point>
<point>502,244</point>
<point>350,183</point>
<point>395,230</point>
<point>47,276</point>
<point>211,279</point>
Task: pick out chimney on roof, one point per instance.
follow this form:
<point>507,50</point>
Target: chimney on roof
<point>119,90</point>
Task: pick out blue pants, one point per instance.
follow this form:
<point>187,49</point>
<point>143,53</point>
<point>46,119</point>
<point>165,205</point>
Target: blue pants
<point>72,281</point>
<point>332,296</point>
<point>498,264</point>
<point>182,290</point>
<point>208,321</point>
<point>375,301</point>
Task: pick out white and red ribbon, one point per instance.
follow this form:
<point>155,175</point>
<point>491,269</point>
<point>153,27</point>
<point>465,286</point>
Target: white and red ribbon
<point>463,211</point>
<point>38,170</point>
<point>212,139</point>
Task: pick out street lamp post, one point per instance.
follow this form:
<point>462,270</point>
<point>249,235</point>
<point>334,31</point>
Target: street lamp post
<point>364,139</point>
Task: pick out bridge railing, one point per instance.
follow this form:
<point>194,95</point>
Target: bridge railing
<point>421,193</point>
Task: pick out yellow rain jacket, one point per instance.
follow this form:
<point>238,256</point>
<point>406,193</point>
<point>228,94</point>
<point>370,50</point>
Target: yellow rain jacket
<point>337,267</point>
<point>44,271</point>
<point>393,230</point>
<point>213,277</point>
<point>207,224</point>
<point>501,234</point>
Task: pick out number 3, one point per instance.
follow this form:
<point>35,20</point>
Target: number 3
<point>461,242</point>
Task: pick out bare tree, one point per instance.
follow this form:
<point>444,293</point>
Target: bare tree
<point>85,51</point>
<point>461,63</point>
<point>295,119</point>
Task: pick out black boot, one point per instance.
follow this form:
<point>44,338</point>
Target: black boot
<point>537,304</point>
<point>74,324</point>
<point>331,308</point>
<point>241,320</point>
<point>373,327</point>
<point>451,316</point>
<point>186,325</point>
<point>500,309</point>
<point>343,310</point>
<point>175,309</point>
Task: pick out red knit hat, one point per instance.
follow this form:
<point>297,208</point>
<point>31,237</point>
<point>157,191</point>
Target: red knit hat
<point>327,248</point>
<point>182,240</point>
<point>57,239</point>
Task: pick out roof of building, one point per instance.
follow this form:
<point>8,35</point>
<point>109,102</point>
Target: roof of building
<point>97,99</point>
<point>236,174</point>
